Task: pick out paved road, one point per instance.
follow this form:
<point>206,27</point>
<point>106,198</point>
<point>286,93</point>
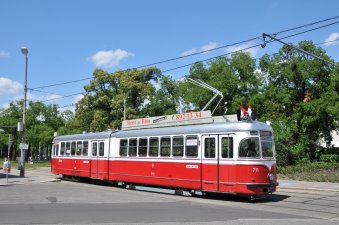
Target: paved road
<point>43,202</point>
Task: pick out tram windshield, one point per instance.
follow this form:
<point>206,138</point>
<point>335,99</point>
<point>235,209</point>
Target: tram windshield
<point>249,148</point>
<point>255,147</point>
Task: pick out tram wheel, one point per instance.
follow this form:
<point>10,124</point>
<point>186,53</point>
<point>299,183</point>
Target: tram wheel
<point>179,192</point>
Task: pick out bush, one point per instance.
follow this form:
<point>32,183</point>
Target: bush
<point>329,158</point>
<point>316,171</point>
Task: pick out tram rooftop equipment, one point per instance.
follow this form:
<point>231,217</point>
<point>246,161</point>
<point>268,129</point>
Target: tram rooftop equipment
<point>181,119</point>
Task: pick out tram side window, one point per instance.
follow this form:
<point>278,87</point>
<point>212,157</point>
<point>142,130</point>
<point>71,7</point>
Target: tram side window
<point>123,147</point>
<point>79,148</point>
<point>191,146</point>
<point>101,148</point>
<point>132,147</point>
<point>227,147</point>
<point>165,146</point>
<point>94,148</point>
<point>210,147</point>
<point>85,148</point>
<point>56,149</point>
<point>68,148</point>
<point>249,148</point>
<point>267,149</point>
<point>178,146</point>
<point>154,147</point>
<point>266,138</point>
<point>73,147</point>
<point>143,147</point>
<point>63,148</point>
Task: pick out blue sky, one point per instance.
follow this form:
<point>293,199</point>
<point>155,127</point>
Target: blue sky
<point>68,39</point>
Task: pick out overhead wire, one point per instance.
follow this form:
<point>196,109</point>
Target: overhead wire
<point>254,46</point>
<point>201,52</point>
<point>190,64</point>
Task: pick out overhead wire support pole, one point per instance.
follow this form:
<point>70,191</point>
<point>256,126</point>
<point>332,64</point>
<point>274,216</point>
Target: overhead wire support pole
<point>264,35</point>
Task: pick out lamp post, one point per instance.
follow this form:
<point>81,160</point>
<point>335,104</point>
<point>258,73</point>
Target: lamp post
<point>24,51</point>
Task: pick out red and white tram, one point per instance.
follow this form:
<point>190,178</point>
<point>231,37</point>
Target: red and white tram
<point>191,151</point>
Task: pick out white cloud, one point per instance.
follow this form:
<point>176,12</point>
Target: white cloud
<point>109,58</point>
<point>253,51</point>
<point>5,106</point>
<point>78,98</point>
<point>189,52</point>
<point>4,54</point>
<point>331,39</point>
<point>209,46</point>
<point>8,86</point>
<point>52,98</point>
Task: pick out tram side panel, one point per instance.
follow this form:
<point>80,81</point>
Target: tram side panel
<point>167,173</point>
<point>83,166</point>
<point>72,165</point>
<point>226,176</point>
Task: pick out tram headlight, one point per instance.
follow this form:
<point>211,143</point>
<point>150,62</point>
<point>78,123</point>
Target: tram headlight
<point>271,176</point>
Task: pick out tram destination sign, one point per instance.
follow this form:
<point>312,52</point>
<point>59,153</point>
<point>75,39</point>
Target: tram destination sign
<point>180,119</point>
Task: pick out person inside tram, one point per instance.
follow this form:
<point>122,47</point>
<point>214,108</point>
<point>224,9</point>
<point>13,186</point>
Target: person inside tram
<point>251,152</point>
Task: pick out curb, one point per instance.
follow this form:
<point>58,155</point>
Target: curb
<point>308,189</point>
<point>12,182</point>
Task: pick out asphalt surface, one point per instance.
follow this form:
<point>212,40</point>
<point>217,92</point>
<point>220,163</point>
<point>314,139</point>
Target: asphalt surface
<point>41,198</point>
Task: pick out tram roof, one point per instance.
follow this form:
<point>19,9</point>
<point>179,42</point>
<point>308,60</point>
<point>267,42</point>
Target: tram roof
<point>84,136</point>
<point>178,130</point>
<point>195,129</point>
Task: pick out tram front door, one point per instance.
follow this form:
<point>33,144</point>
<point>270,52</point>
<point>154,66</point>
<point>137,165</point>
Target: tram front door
<point>216,162</point>
<point>210,163</point>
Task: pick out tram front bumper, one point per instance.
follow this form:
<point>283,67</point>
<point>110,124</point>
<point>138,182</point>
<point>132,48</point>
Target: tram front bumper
<point>267,187</point>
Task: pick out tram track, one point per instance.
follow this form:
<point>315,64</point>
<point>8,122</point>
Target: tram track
<point>280,202</point>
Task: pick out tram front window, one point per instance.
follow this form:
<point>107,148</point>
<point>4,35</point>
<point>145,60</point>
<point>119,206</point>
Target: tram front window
<point>266,138</point>
<point>249,148</point>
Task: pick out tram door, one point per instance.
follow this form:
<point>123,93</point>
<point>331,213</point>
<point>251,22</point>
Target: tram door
<point>226,167</point>
<point>94,160</point>
<point>210,163</point>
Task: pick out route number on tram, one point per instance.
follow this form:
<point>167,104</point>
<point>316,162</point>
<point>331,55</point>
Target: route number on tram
<point>255,170</point>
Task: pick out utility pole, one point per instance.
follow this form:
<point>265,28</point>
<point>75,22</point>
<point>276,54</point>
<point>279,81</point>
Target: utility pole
<point>23,144</point>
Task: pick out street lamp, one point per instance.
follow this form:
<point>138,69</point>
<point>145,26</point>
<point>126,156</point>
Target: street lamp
<point>24,51</point>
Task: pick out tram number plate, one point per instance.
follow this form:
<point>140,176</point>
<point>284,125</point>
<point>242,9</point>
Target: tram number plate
<point>255,170</point>
<point>192,166</point>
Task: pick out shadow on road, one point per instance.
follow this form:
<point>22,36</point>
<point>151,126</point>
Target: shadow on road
<point>3,175</point>
<point>212,196</point>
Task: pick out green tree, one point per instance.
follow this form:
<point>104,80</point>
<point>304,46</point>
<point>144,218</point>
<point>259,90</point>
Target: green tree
<point>165,101</point>
<point>103,104</point>
<point>235,77</point>
<point>71,125</point>
<point>10,117</point>
<point>301,98</point>
<point>42,121</point>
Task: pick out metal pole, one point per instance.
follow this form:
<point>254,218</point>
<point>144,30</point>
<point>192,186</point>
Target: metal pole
<point>9,146</point>
<point>23,140</point>
<point>125,109</point>
<point>8,151</point>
